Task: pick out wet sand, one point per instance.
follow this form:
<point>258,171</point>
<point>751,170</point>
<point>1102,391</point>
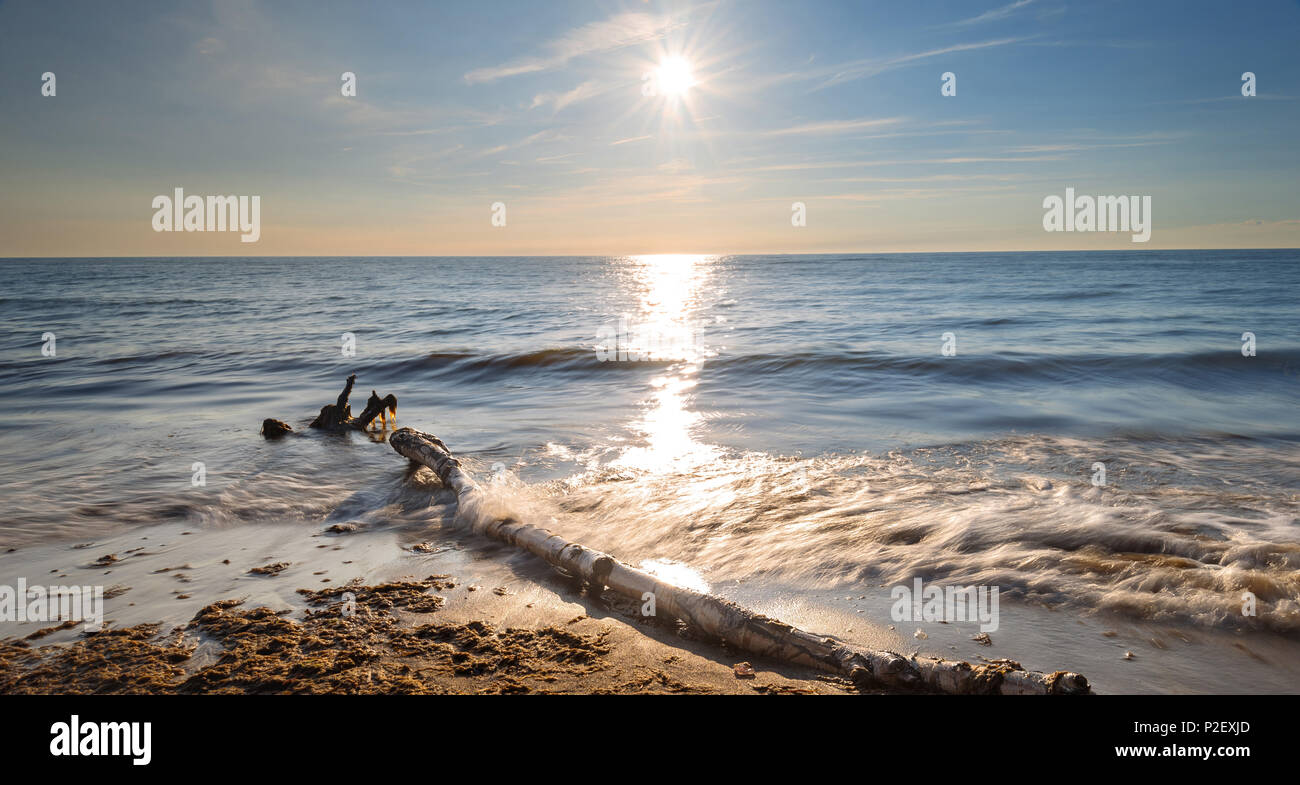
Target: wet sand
<point>286,626</point>
<point>256,608</point>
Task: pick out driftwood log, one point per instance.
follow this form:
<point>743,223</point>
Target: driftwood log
<point>723,619</point>
<point>337,416</point>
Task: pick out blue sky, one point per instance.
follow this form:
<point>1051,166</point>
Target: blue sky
<point>540,106</point>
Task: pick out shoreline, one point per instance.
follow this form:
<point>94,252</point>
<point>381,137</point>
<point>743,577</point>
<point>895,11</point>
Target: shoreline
<point>385,647</point>
<point>478,628</point>
<point>167,574</point>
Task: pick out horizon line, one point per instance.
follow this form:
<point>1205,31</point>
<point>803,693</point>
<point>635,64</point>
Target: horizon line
<point>624,255</point>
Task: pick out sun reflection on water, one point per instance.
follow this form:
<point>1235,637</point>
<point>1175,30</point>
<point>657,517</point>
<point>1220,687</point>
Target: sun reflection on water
<point>669,288</point>
<point>676,573</point>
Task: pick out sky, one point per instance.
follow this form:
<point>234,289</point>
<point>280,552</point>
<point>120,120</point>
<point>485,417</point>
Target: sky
<point>542,108</point>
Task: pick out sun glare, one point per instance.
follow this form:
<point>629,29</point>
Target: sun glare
<point>674,77</point>
<point>669,286</point>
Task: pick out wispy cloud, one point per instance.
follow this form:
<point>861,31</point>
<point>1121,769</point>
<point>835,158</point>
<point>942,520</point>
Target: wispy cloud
<point>1233,97</point>
<point>540,136</point>
<point>932,178</point>
<point>621,30</point>
<point>558,101</point>
<point>630,140</point>
<point>996,13</point>
<point>834,127</point>
<point>812,165</point>
<point>896,194</point>
<point>862,69</point>
<point>1075,147</point>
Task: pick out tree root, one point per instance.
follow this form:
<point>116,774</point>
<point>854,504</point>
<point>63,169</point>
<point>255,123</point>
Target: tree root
<point>337,416</point>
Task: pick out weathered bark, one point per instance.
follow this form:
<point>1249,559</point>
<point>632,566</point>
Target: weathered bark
<point>741,628</point>
<point>338,415</point>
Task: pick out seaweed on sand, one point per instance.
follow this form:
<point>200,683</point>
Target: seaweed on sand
<point>350,641</point>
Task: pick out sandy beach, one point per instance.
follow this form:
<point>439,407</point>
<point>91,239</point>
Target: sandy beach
<point>256,609</point>
<point>279,627</point>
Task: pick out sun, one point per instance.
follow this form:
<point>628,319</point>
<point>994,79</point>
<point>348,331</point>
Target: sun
<point>674,77</point>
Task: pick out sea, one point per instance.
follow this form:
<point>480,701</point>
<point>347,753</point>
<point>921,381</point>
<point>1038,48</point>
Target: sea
<point>1108,438</point>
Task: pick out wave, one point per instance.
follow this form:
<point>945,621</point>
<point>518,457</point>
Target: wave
<point>1226,363</point>
<point>487,367</point>
<point>1177,532</point>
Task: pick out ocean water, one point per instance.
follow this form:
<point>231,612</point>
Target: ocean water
<point>810,422</point>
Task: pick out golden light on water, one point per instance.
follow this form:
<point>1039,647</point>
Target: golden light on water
<point>668,287</point>
<point>667,428</point>
<point>676,573</point>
